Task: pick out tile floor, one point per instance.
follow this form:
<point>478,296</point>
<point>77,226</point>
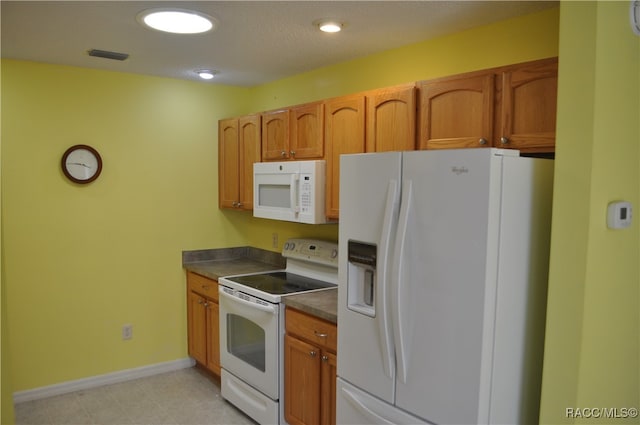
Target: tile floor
<point>183,397</point>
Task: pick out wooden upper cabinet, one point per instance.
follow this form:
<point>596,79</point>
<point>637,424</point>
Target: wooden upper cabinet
<point>512,106</point>
<point>228,163</point>
<point>307,131</point>
<point>391,119</point>
<point>295,133</point>
<point>275,135</point>
<point>456,112</point>
<point>238,149</point>
<point>528,110</point>
<point>249,153</point>
<point>344,134</point>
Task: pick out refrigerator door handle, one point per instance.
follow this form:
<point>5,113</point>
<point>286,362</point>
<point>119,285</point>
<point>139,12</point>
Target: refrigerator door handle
<point>382,302</point>
<point>399,275</point>
<point>359,405</point>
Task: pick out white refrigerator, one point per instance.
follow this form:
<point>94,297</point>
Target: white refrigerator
<point>443,262</point>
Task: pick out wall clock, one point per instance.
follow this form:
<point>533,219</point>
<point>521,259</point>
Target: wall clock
<point>81,164</point>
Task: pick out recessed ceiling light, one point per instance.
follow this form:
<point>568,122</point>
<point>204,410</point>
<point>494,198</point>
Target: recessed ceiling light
<point>177,21</point>
<point>329,26</point>
<point>206,74</point>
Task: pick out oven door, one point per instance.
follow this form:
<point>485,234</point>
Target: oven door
<point>249,339</point>
<point>275,191</point>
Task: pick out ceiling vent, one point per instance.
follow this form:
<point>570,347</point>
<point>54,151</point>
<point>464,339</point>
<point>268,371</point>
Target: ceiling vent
<point>108,55</point>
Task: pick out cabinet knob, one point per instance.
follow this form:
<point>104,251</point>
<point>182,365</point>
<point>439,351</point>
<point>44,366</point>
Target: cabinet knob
<point>234,204</point>
<point>283,154</point>
<point>482,141</point>
<point>312,353</point>
<point>325,358</point>
<point>239,205</point>
<point>504,140</point>
<point>200,301</point>
<point>293,154</point>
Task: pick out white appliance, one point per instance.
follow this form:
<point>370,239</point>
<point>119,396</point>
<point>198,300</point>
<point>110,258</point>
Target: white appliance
<point>290,191</point>
<point>443,275</point>
<point>252,325</point>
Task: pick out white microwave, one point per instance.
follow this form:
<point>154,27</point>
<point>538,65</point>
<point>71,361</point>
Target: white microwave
<point>290,191</point>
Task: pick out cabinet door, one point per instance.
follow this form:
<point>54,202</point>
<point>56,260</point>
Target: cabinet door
<point>301,382</point>
<point>307,132</point>
<point>529,97</point>
<point>197,327</point>
<point>328,389</point>
<point>344,134</point>
<point>228,188</point>
<point>391,119</point>
<point>213,342</point>
<point>457,112</point>
<point>275,135</point>
<point>249,152</point>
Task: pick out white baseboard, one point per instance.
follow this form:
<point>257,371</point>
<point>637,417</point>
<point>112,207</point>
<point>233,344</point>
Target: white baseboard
<point>100,380</point>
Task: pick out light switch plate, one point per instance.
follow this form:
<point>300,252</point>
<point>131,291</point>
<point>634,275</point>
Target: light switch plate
<point>619,215</point>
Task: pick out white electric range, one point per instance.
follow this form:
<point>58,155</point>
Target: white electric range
<point>252,325</point>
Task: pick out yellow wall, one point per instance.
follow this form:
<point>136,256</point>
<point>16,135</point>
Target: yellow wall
<point>515,40</point>
<point>591,351</point>
<point>79,262</point>
<point>6,406</point>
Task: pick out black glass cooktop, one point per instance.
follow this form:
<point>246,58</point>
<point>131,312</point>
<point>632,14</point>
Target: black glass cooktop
<point>280,283</point>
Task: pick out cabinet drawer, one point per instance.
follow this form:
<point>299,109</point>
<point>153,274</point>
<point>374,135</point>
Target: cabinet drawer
<point>202,285</point>
<point>312,329</point>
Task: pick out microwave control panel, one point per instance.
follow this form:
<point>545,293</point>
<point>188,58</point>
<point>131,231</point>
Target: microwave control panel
<point>306,193</point>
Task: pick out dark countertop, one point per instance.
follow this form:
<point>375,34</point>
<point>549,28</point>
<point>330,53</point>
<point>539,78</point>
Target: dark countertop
<point>322,304</point>
<point>216,263</point>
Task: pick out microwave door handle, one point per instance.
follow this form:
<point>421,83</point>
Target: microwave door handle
<point>295,182</point>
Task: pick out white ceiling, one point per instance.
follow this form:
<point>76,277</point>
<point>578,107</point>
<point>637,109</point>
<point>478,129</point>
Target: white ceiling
<point>256,41</point>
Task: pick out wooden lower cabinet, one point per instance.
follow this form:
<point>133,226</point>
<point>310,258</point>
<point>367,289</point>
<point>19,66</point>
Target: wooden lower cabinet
<point>309,370</point>
<point>203,321</point>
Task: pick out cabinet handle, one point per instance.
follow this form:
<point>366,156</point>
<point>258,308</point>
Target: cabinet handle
<point>325,358</point>
<point>312,353</point>
<point>283,154</point>
<point>293,154</point>
<point>320,335</point>
<point>504,140</point>
<point>482,141</point>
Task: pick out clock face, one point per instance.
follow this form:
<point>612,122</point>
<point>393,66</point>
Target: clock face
<point>81,164</point>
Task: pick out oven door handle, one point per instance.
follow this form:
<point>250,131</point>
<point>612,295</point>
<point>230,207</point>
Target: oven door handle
<point>266,308</point>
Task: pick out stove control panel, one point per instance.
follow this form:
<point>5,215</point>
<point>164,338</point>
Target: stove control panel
<point>313,250</point>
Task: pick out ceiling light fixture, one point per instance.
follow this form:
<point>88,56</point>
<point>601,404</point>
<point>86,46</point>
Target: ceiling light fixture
<point>206,74</point>
<point>329,26</point>
<point>177,21</point>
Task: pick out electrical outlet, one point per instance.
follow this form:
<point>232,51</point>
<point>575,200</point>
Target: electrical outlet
<point>127,331</point>
<point>274,240</point>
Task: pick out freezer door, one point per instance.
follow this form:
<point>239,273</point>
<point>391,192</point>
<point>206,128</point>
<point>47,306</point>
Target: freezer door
<point>369,202</point>
<point>445,270</point>
<point>354,406</point>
